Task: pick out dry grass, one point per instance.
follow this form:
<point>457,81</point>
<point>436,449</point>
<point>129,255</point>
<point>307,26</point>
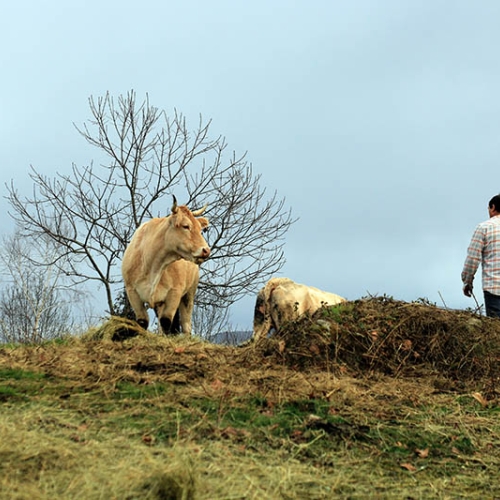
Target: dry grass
<point>376,399</point>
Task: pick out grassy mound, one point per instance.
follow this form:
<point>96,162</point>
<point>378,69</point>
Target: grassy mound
<point>376,398</point>
<point>392,337</point>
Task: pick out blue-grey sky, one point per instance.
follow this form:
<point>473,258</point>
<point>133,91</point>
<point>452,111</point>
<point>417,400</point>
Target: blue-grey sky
<point>378,121</point>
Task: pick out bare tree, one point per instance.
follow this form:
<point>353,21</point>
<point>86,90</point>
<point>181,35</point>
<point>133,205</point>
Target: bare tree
<point>34,303</point>
<point>146,155</point>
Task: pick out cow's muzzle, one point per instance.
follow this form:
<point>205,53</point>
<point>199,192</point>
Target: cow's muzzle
<point>205,253</point>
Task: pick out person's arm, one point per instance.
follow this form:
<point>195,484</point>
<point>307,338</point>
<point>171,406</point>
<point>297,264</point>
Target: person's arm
<point>474,255</point>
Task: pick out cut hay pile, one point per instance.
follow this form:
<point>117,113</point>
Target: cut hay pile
<point>393,337</point>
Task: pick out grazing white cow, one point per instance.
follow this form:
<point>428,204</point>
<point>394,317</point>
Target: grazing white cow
<point>173,298</point>
<point>283,300</point>
<point>154,245</point>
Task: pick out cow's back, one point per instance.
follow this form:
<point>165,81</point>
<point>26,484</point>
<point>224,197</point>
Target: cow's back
<point>282,300</point>
<point>291,300</point>
<point>319,298</point>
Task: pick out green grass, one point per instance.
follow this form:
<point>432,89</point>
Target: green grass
<point>18,374</point>
<point>137,410</point>
<point>121,435</point>
<point>19,385</point>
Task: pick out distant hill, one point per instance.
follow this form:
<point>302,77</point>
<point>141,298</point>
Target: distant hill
<point>231,338</point>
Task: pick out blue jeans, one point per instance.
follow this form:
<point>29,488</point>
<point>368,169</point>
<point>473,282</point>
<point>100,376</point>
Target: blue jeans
<point>492,304</point>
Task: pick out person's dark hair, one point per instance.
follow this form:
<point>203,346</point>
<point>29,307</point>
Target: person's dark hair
<point>495,201</point>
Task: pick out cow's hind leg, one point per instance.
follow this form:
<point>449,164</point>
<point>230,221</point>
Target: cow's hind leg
<point>186,311</point>
<point>175,327</point>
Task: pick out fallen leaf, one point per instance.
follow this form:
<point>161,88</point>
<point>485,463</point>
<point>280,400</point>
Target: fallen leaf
<point>480,399</point>
<point>177,378</point>
<point>406,345</point>
<point>229,431</point>
<point>179,350</point>
<point>147,439</point>
<point>217,384</point>
<point>313,418</point>
<point>422,453</point>
<point>267,413</point>
<point>77,438</point>
<point>409,467</point>
<point>314,349</point>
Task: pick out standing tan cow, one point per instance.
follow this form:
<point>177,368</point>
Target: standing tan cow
<point>283,300</point>
<point>154,245</point>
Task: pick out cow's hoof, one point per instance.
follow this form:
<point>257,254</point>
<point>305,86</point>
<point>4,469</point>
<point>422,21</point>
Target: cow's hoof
<point>165,325</point>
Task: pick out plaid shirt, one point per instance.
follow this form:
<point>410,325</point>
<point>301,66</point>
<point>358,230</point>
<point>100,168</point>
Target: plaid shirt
<point>484,248</point>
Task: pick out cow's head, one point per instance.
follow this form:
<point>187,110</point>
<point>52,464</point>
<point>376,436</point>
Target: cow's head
<point>265,313</point>
<point>262,319</point>
<point>188,226</point>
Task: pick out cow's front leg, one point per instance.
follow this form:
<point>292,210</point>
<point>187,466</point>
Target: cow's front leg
<point>141,313</point>
<point>168,314</point>
<point>170,325</point>
<point>166,325</point>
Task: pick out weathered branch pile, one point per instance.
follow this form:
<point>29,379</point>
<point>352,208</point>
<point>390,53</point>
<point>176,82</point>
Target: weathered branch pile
<point>392,337</point>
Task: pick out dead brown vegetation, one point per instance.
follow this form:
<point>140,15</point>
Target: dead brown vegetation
<point>394,338</point>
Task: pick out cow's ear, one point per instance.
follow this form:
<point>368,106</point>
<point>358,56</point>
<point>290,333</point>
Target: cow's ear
<point>203,222</point>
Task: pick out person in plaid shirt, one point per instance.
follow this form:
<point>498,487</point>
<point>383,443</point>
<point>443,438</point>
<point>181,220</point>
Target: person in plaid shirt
<point>484,248</point>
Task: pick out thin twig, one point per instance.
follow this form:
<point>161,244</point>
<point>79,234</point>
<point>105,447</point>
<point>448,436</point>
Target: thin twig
<point>442,300</point>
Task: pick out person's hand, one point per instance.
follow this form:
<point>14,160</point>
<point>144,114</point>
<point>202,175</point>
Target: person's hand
<point>468,290</point>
